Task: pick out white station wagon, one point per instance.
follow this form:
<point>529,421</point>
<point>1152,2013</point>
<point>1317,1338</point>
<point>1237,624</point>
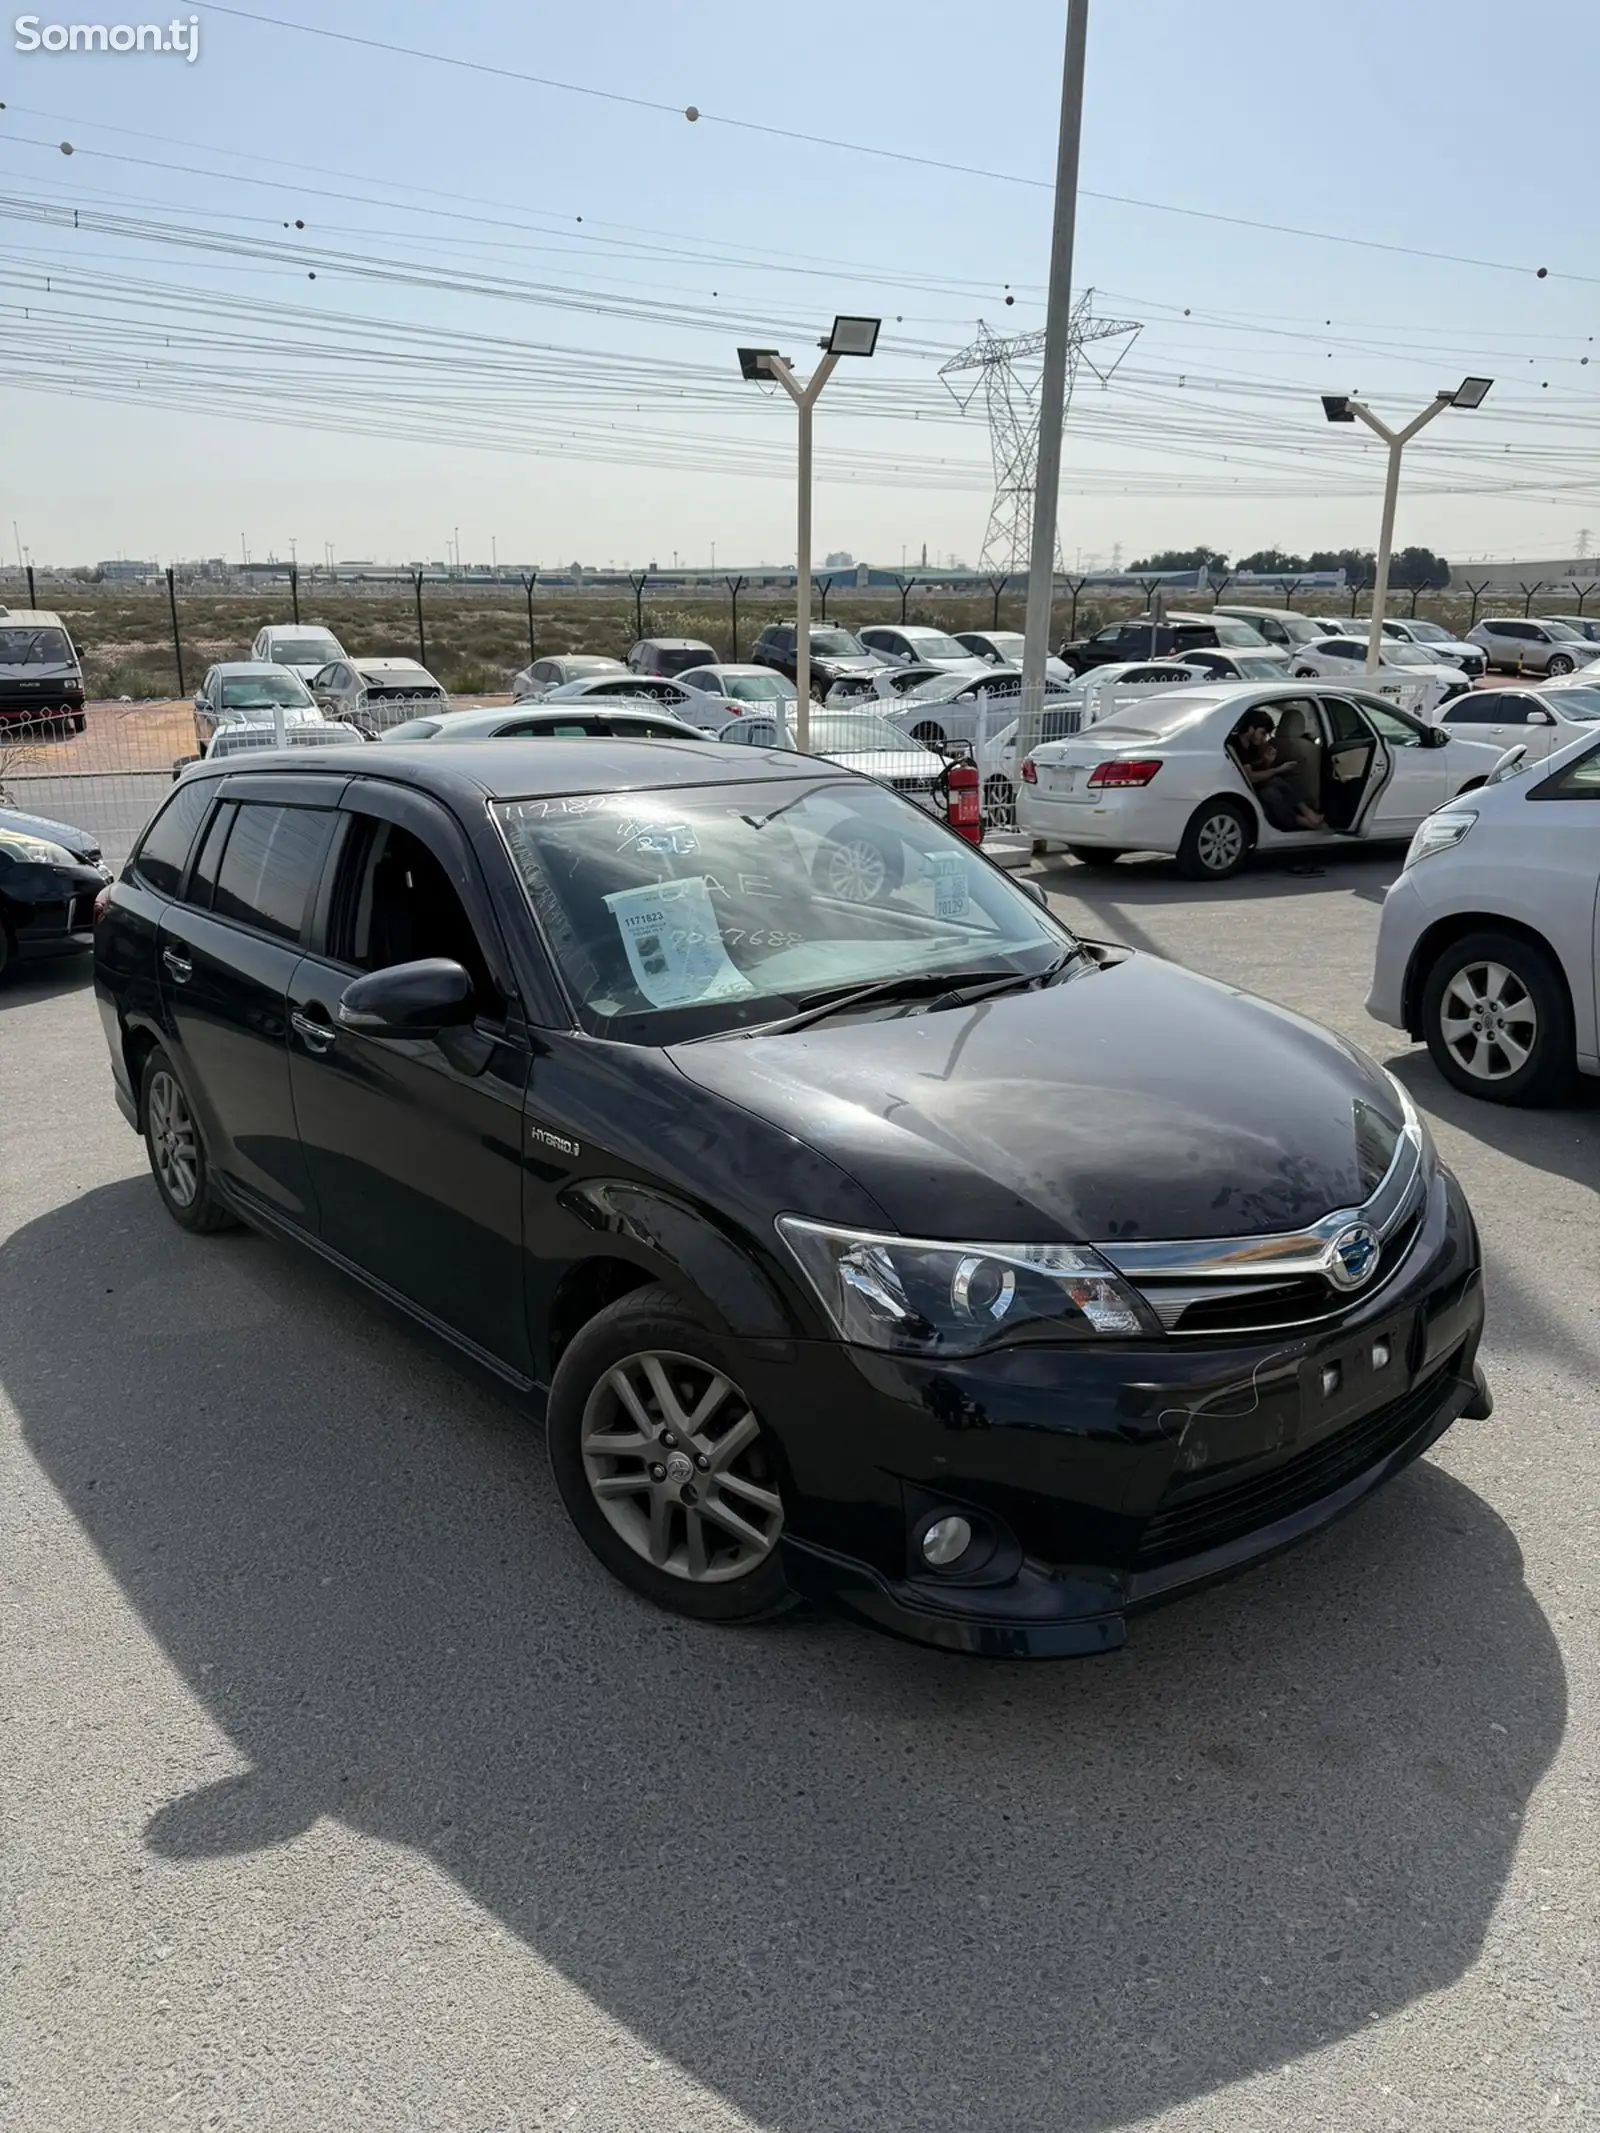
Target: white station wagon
<point>1163,776</point>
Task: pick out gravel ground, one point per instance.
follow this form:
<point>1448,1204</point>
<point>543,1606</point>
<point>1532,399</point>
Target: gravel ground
<point>344,1791</point>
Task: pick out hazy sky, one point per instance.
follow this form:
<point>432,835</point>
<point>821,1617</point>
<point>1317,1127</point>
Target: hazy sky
<point>446,345</point>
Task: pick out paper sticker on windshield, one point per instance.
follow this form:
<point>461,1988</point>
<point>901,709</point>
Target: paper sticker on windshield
<point>949,871</point>
<point>674,946</point>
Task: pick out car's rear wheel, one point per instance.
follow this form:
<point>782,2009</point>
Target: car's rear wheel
<point>857,864</point>
<point>999,799</point>
<point>663,1464</point>
<point>177,1151</point>
<point>1095,855</point>
<point>1498,1020</point>
<point>1217,841</point>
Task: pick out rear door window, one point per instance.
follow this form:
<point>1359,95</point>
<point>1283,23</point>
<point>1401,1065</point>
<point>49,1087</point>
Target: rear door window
<point>164,848</point>
<point>270,866</point>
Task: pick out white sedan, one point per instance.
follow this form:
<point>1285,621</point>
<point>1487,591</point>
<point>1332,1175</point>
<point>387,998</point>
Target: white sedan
<point>726,690</point>
<point>1487,947</point>
<point>1163,776</point>
<point>857,740</point>
<point>1406,673</point>
<point>1540,721</point>
<point>625,688</point>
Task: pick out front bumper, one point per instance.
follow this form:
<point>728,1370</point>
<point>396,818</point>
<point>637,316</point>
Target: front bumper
<point>1401,925</point>
<point>1119,1476</point>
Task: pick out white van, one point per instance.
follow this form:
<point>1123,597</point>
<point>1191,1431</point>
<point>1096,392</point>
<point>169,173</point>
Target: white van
<point>41,682</point>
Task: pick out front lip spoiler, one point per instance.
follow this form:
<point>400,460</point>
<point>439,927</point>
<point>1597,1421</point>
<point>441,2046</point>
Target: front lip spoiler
<point>1034,1617</point>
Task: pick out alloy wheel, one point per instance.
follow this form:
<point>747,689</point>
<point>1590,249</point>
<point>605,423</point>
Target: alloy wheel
<point>1488,1020</point>
<point>675,1459</point>
<point>855,871</point>
<point>1220,843</point>
<point>173,1147</point>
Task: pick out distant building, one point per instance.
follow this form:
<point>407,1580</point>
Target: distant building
<point>1558,575</point>
<point>121,570</point>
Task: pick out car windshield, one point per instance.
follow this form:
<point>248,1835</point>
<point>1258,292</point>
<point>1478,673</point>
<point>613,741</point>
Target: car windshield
<point>1564,629</point>
<point>1237,634</point>
<point>1431,633</point>
<point>1407,655</point>
<point>1007,644</point>
<point>837,644</point>
<point>261,692</point>
<point>933,644</point>
<point>305,651</point>
<point>690,912</point>
<point>34,648</point>
<point>1581,704</point>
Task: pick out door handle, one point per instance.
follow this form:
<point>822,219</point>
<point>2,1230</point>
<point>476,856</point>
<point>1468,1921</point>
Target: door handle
<point>181,968</point>
<point>318,1036</point>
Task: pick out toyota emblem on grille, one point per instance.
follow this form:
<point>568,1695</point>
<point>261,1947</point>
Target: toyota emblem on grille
<point>1352,1256</point>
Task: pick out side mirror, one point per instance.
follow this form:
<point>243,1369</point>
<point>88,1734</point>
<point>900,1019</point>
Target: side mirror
<point>1439,737</point>
<point>408,1000</point>
<point>1540,718</point>
<point>200,703</point>
<point>1033,889</point>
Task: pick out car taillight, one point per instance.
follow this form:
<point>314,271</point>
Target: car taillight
<point>963,814</point>
<point>101,905</point>
<point>1030,775</point>
<point>1132,773</point>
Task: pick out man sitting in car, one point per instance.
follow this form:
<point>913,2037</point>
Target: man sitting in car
<point>1277,781</point>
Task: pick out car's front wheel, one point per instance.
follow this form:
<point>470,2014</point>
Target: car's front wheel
<point>857,864</point>
<point>1498,1019</point>
<point>1560,663</point>
<point>1095,855</point>
<point>1217,841</point>
<point>177,1152</point>
<point>663,1464</point>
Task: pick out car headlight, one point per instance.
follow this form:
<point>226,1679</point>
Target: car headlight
<point>1438,833</point>
<point>917,1297</point>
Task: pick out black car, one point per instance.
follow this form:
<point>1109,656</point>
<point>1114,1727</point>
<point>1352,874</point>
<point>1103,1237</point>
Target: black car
<point>50,875</point>
<point>835,654</point>
<point>1174,636</point>
<point>892,1248</point>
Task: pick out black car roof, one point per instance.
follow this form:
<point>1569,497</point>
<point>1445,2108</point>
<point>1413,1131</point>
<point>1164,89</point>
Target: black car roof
<point>473,771</point>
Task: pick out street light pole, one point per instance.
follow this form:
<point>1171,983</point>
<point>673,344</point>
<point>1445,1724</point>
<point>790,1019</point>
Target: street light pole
<point>1053,382</point>
<point>1340,407</point>
<point>850,337</point>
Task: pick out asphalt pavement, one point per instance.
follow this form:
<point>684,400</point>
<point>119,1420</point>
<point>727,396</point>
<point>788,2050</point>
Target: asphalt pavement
<point>344,1791</point>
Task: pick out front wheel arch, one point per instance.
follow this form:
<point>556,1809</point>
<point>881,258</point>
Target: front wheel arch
<point>1443,934</point>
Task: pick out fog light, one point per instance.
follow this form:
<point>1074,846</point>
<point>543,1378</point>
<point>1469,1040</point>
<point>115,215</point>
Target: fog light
<point>946,1541</point>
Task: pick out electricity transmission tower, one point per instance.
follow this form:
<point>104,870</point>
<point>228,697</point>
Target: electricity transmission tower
<point>1006,372</point>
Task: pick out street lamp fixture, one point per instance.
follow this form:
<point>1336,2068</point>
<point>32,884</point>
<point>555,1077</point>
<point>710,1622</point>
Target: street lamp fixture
<point>1343,407</point>
<point>849,337</point>
<point>853,336</point>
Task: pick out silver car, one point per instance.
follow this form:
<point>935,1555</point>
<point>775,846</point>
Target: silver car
<point>594,719</point>
<point>1530,644</point>
<point>856,740</point>
<point>249,692</point>
<point>374,694</point>
<point>913,644</point>
<point>304,648</point>
<point>1487,946</point>
<point>547,674</point>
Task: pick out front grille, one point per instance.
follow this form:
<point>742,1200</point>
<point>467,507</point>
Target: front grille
<point>1190,1523</point>
<point>913,784</point>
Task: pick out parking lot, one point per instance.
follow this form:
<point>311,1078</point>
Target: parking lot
<point>348,1792</point>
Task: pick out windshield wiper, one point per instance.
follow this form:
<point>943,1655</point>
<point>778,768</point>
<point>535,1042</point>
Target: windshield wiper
<point>963,987</point>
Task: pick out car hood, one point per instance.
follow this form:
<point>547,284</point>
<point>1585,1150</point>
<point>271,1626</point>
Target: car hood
<point>76,841</point>
<point>1137,1101</point>
<point>891,763</point>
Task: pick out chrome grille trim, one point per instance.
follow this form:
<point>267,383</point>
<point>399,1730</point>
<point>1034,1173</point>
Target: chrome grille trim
<point>1178,1277</point>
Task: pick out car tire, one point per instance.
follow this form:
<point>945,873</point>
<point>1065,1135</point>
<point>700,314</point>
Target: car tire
<point>1217,842</point>
<point>634,1376</point>
<point>1521,978</point>
<point>1560,663</point>
<point>1095,855</point>
<point>999,798</point>
<point>857,864</point>
<point>176,1149</point>
<point>930,734</point>
<point>79,722</point>
<point>8,952</point>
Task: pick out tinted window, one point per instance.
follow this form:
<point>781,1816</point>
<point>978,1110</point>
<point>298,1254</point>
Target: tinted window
<point>202,879</point>
<point>397,904</point>
<point>164,850</point>
<point>1473,711</point>
<point>1513,708</point>
<point>269,866</point>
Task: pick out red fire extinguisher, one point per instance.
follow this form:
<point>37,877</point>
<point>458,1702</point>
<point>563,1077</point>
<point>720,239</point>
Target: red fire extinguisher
<point>962,812</point>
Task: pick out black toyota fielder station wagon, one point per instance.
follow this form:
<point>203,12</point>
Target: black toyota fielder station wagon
<point>862,1234</point>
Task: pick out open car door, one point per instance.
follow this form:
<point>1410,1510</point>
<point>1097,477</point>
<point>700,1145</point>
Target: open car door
<point>1360,766</point>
